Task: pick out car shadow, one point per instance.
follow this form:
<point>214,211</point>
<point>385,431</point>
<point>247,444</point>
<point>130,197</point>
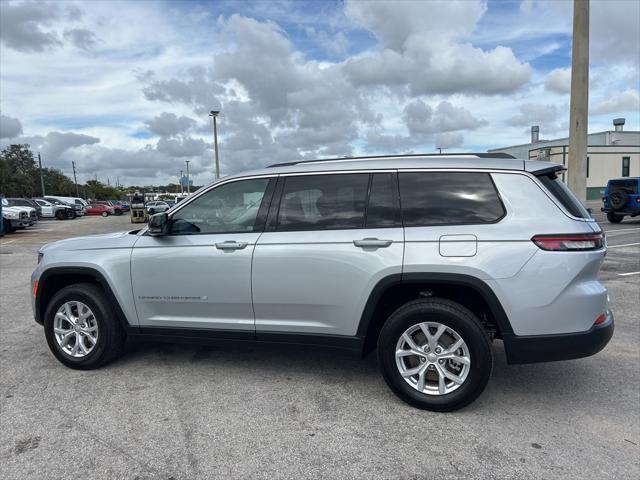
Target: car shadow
<point>510,386</point>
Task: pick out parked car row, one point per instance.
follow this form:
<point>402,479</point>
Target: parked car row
<point>19,213</point>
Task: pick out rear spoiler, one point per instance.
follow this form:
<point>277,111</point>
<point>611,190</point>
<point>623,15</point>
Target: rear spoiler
<point>540,168</point>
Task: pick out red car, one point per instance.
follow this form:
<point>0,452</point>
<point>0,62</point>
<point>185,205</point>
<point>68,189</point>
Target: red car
<point>99,209</point>
<point>117,209</point>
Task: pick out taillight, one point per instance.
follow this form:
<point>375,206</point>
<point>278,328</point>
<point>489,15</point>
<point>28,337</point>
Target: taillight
<point>570,242</point>
<point>604,199</point>
<point>637,199</point>
<point>600,319</point>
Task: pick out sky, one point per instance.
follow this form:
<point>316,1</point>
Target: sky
<point>124,88</point>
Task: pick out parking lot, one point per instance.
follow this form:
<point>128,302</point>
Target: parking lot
<point>169,411</point>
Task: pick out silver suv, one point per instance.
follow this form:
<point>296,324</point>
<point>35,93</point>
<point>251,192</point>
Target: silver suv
<point>429,259</point>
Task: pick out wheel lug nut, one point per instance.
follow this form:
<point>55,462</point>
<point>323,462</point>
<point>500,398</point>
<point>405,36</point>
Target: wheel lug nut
<point>422,359</point>
<point>440,362</point>
<point>438,350</point>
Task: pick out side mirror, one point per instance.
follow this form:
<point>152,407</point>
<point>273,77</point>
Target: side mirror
<point>159,224</point>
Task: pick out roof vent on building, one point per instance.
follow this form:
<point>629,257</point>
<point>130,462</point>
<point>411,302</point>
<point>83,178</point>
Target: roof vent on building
<point>535,134</point>
<point>618,123</point>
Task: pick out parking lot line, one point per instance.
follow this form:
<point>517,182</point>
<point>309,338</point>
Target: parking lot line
<point>628,274</point>
<point>623,245</point>
<point>621,230</point>
<point>7,243</point>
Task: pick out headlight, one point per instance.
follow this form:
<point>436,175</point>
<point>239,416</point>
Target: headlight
<point>11,214</point>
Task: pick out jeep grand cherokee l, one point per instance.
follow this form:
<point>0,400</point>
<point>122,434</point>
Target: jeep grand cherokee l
<point>427,259</point>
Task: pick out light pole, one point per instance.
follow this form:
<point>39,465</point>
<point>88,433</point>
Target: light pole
<point>181,184</point>
<point>214,114</point>
<point>75,180</point>
<point>41,177</point>
<point>188,186</point>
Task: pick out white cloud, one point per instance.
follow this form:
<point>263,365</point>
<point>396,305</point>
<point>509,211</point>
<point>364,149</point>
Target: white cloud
<point>168,124</point>
<point>26,26</point>
<point>619,102</point>
<point>531,114</point>
<point>9,127</point>
<point>424,75</point>
<point>54,144</point>
<point>559,80</point>
<point>422,120</point>
<point>420,47</point>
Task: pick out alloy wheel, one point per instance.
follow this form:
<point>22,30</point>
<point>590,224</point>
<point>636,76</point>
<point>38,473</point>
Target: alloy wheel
<point>75,329</point>
<point>433,358</point>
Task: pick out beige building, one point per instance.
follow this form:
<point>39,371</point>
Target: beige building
<point>610,154</point>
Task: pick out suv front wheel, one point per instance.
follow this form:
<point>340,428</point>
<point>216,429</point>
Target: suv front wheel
<point>435,354</point>
<point>81,327</point>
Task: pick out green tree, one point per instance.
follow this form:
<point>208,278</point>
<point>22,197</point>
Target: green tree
<point>99,191</point>
<point>56,183</point>
<point>17,171</point>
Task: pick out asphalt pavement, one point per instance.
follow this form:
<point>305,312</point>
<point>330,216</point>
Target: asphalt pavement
<point>169,411</point>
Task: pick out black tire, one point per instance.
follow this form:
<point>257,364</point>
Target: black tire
<point>452,315</point>
<point>7,228</point>
<point>71,214</point>
<point>60,215</point>
<point>111,335</point>
<point>614,217</point>
<point>118,212</point>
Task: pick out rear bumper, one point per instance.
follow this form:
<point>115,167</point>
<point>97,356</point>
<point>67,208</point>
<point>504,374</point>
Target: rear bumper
<point>549,348</point>
<point>622,211</point>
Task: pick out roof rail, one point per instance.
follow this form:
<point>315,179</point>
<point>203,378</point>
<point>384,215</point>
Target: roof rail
<point>370,157</point>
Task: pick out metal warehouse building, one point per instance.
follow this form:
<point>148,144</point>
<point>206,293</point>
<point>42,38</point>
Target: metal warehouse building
<point>610,154</point>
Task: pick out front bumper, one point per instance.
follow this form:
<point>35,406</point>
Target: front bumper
<point>566,346</point>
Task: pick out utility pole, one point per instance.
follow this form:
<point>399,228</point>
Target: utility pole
<point>214,115</point>
<point>41,177</point>
<point>578,119</point>
<point>188,186</point>
<point>75,180</point>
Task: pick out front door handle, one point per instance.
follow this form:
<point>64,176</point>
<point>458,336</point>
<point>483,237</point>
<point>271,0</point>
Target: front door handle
<point>231,245</point>
<point>372,242</point>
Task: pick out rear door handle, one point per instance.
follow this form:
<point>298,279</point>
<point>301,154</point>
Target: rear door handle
<point>372,242</point>
<point>231,245</point>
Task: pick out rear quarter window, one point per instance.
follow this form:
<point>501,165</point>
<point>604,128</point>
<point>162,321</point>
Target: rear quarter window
<point>448,198</point>
<point>562,194</point>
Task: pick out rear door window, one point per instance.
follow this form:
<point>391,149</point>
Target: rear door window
<point>323,202</point>
<point>448,198</point>
<point>383,209</point>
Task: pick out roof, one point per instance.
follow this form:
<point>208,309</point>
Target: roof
<point>406,162</point>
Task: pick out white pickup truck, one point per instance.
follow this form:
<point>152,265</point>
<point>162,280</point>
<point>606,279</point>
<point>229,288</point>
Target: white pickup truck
<point>55,210</point>
<point>14,218</point>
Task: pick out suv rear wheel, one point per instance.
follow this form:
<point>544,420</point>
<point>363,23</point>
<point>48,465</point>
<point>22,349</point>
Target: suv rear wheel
<point>81,327</point>
<point>614,217</point>
<point>435,354</point>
